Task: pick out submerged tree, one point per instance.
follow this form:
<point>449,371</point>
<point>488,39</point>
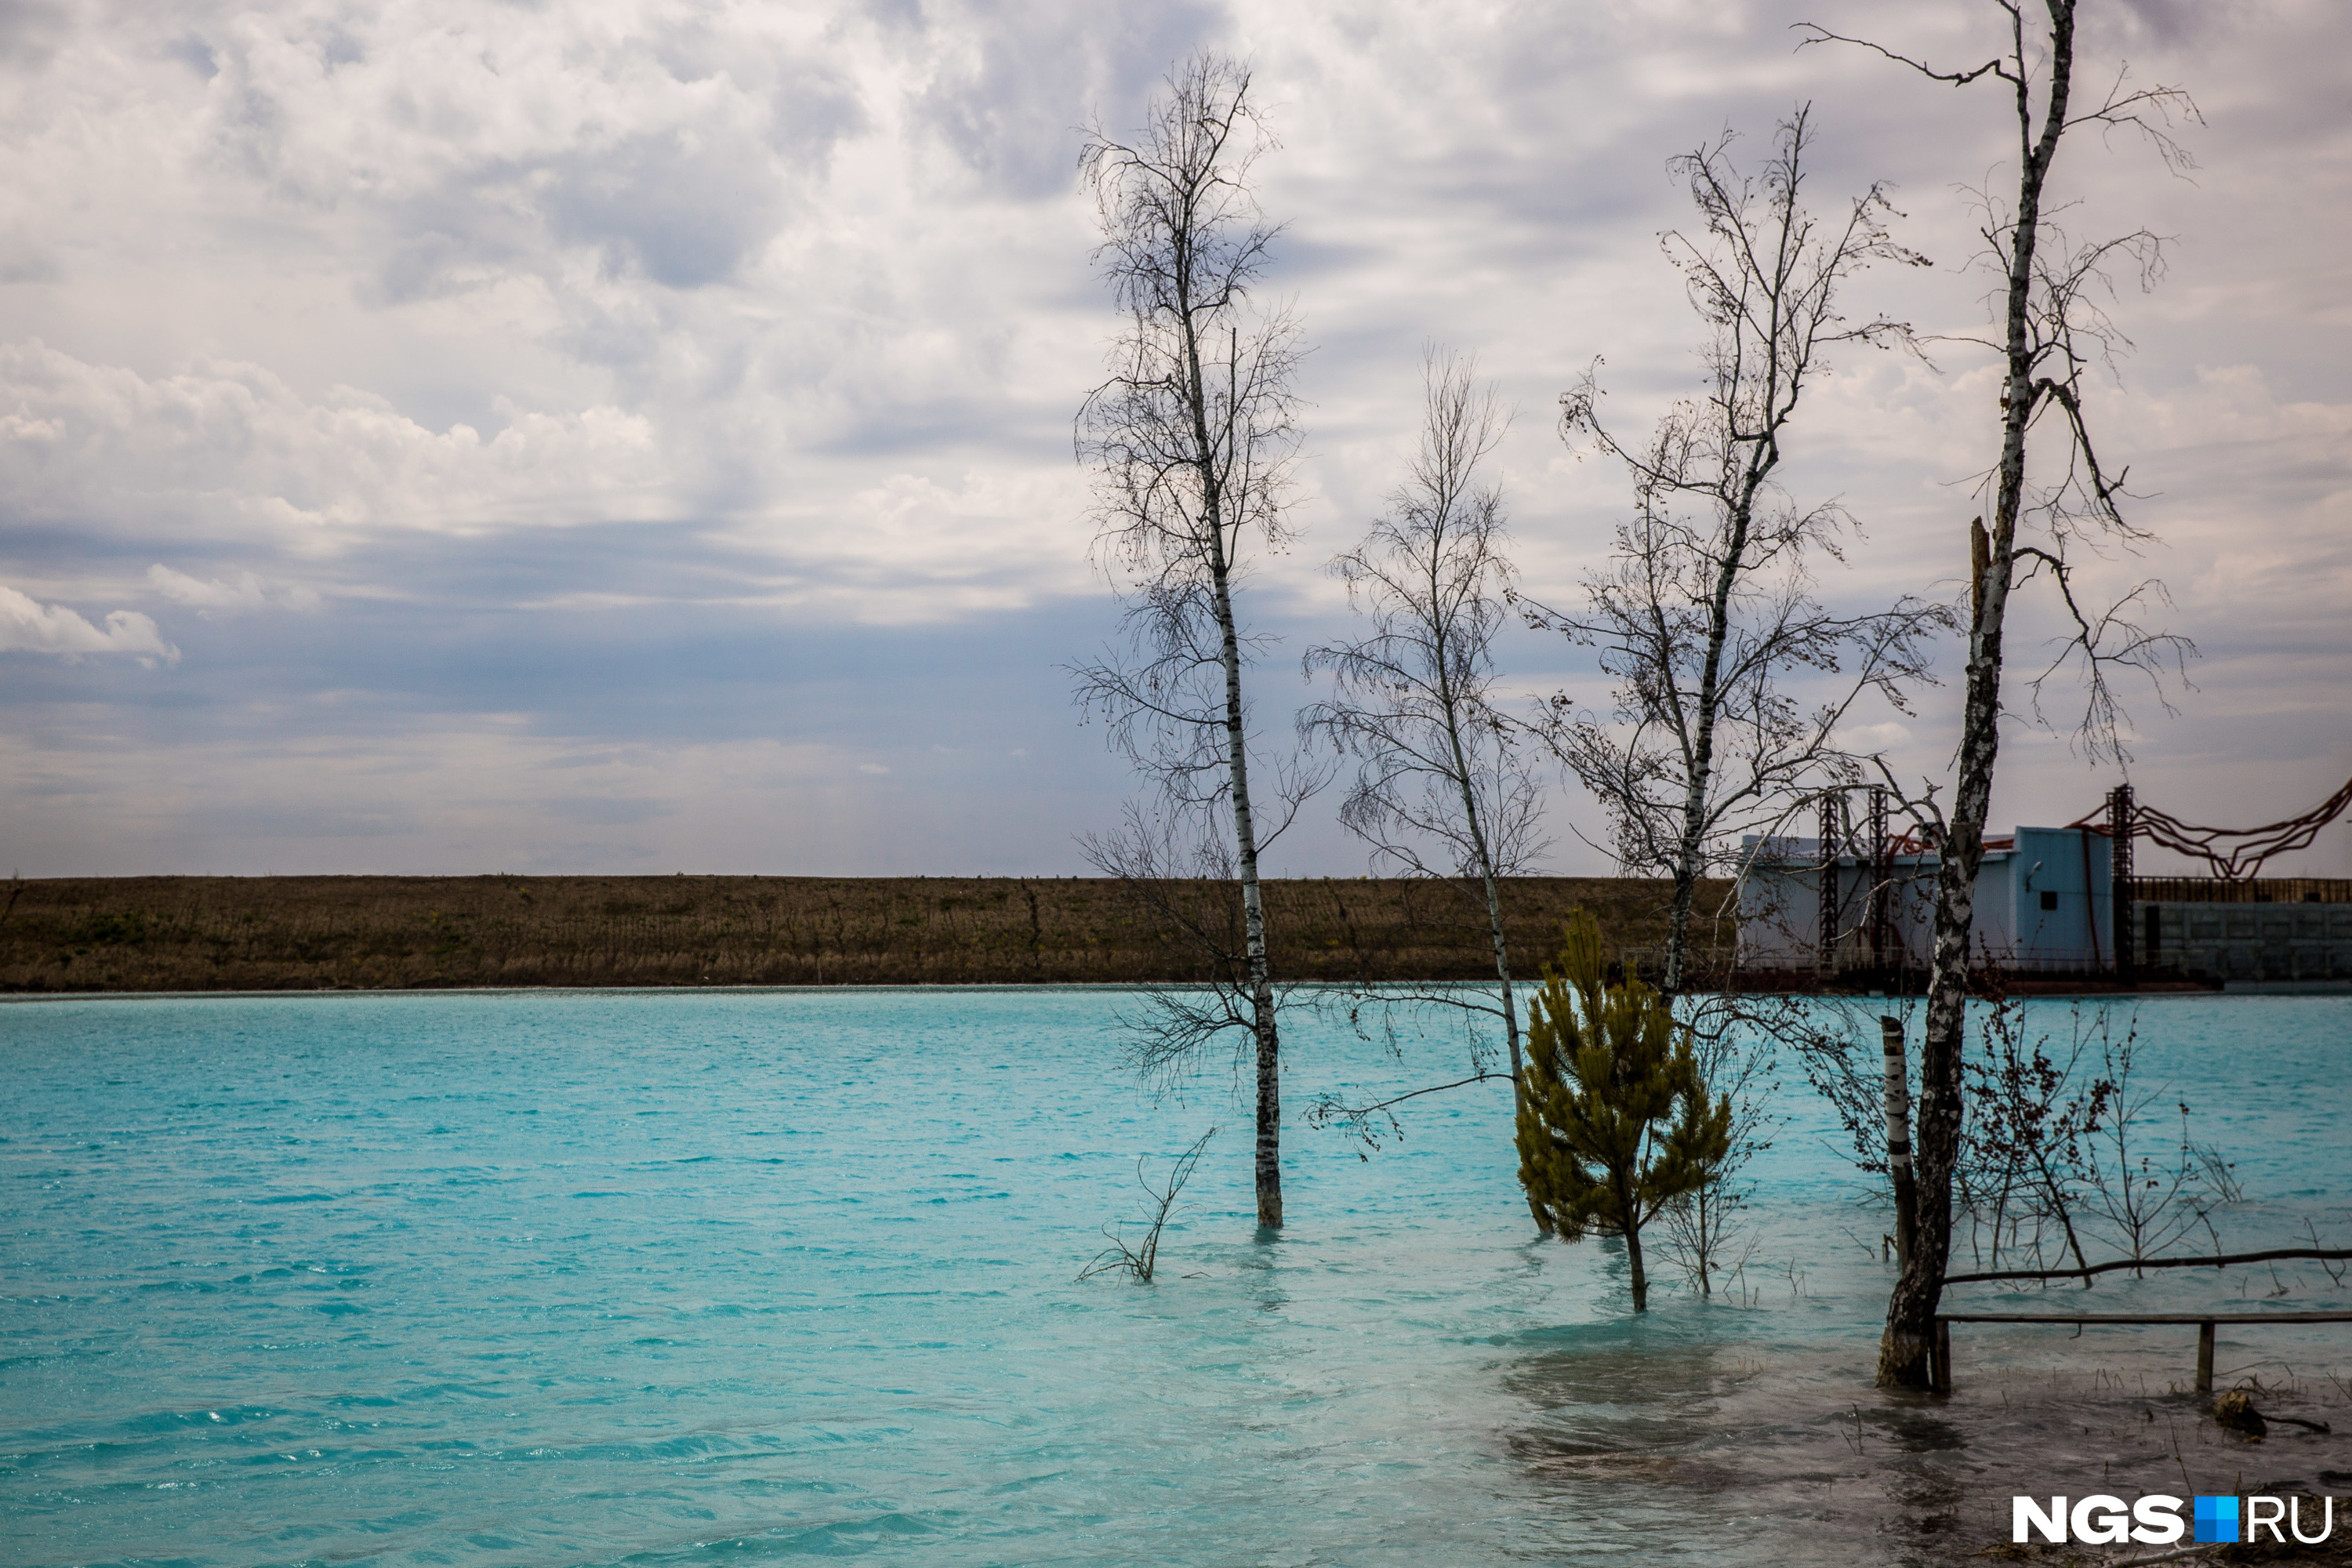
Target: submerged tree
<point>1190,439</point>
<point>2051,1151</point>
<point>2023,1147</point>
<point>1617,1121</point>
<point>2050,335</point>
<point>1705,1230</point>
<point>1704,609</point>
<point>1139,1259</point>
<point>1440,791</point>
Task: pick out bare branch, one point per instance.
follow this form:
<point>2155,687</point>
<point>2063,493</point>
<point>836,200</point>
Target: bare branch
<point>1140,1260</point>
<point>2110,640</point>
<point>1816,34</point>
<point>1331,1109</point>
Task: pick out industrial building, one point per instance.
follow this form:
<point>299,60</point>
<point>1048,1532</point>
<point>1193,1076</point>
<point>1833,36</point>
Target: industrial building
<point>2045,905</point>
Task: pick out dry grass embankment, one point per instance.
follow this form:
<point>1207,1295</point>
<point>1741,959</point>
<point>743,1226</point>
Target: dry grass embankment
<point>270,933</point>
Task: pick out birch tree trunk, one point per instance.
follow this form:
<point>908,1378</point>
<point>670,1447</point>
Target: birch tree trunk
<point>1690,850</point>
<point>1493,889</point>
<point>1897,1094</point>
<point>2051,330</point>
<point>1268,1146</point>
<point>1908,1344</point>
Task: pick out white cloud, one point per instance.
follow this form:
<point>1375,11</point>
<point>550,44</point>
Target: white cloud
<point>914,548</point>
<point>453,798</point>
<point>27,626</point>
<point>232,450</point>
<point>1880,737</point>
<point>229,596</point>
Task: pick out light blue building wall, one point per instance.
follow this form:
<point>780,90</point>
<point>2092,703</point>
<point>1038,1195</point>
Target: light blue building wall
<point>2060,901</point>
<point>2044,905</point>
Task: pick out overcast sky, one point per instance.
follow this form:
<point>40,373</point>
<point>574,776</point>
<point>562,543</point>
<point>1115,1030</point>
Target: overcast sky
<point>636,437</point>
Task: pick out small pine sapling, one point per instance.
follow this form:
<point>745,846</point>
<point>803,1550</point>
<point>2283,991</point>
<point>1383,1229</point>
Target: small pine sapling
<point>1617,1121</point>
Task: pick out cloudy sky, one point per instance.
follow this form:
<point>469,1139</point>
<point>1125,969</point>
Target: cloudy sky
<point>629,435</point>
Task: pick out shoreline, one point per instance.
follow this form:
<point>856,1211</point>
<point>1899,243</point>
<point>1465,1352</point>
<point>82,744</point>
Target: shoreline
<point>2174,991</point>
<point>326,934</point>
<point>153,934</point>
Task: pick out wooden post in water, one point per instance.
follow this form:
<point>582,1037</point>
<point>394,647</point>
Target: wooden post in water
<point>1898,1138</point>
<point>2205,1358</point>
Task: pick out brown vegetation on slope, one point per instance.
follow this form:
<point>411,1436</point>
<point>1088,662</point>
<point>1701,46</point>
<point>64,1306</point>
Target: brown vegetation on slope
<point>268,933</point>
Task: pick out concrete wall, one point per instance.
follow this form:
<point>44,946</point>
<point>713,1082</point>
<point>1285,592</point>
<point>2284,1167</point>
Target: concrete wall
<point>2290,943</point>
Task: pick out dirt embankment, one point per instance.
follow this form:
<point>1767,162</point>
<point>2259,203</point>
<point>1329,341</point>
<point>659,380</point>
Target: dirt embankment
<point>211,933</point>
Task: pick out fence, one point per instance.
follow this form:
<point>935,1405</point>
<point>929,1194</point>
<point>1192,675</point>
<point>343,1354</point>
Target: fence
<point>2260,890</point>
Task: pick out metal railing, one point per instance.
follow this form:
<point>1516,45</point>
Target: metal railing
<point>1939,1373</point>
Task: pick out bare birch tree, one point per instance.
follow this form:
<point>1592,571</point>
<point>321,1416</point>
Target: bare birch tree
<point>1441,790</point>
<point>1190,439</point>
<point>1704,609</point>
<point>2050,335</point>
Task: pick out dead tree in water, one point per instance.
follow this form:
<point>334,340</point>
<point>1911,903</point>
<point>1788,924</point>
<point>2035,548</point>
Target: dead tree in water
<point>1140,1260</point>
<point>1190,439</point>
<point>1440,791</point>
<point>1704,1229</point>
<point>1705,606</point>
<point>2051,333</point>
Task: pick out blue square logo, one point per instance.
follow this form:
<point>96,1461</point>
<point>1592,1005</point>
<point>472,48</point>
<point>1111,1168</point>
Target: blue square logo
<point>2217,1519</point>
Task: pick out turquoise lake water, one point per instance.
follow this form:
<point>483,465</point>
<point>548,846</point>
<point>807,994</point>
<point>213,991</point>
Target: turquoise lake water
<point>728,1277</point>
